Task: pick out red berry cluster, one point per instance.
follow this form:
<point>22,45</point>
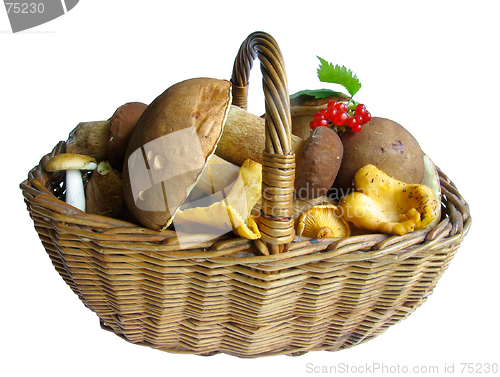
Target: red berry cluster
<point>341,114</point>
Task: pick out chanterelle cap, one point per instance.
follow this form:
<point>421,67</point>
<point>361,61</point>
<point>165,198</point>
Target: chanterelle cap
<point>70,161</point>
<point>170,146</point>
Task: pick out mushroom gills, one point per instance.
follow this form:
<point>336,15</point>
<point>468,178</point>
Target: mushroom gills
<point>323,221</point>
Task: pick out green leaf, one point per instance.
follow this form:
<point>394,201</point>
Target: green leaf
<point>327,72</point>
<point>315,93</point>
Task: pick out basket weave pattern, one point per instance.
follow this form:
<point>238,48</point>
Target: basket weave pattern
<point>215,297</point>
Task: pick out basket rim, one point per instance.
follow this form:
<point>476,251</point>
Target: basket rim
<point>114,234</point>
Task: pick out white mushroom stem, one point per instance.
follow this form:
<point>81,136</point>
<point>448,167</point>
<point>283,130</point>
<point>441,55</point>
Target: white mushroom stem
<point>75,193</point>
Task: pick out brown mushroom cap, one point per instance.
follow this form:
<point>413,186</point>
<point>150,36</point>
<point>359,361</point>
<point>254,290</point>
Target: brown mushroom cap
<point>90,139</point>
<point>121,125</point>
<point>318,164</point>
<point>385,144</point>
<point>70,161</point>
<point>170,146</point>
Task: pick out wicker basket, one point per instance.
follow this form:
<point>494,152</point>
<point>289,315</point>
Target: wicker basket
<point>214,297</point>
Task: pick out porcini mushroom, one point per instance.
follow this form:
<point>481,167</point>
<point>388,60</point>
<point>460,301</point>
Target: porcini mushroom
<point>384,204</point>
<point>72,164</point>
<point>322,221</point>
<point>244,138</point>
<point>170,146</point>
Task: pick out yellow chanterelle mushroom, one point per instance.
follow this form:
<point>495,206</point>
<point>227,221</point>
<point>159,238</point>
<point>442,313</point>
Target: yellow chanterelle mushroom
<point>232,212</point>
<point>322,221</point>
<point>384,204</point>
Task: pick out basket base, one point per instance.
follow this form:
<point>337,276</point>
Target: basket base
<point>344,341</point>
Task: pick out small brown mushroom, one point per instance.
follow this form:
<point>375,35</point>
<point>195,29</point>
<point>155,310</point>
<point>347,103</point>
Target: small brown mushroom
<point>318,164</point>
<point>121,126</point>
<point>90,139</point>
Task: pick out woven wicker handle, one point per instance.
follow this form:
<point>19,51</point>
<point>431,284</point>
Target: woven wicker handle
<point>278,165</point>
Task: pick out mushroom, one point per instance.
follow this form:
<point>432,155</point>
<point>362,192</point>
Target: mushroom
<point>244,138</point>
<point>170,146</point>
<point>431,179</point>
<point>104,192</point>
<point>122,124</point>
<point>318,164</point>
<point>318,158</point>
<point>232,211</point>
<point>218,175</point>
<point>302,205</point>
<point>388,205</point>
<point>90,139</point>
<point>322,221</point>
<point>72,164</point>
<point>174,139</point>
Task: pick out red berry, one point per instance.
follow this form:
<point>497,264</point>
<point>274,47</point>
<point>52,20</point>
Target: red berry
<point>320,123</point>
<point>360,109</point>
<point>319,115</point>
<point>332,103</point>
<point>340,118</point>
<point>357,127</point>
<point>366,117</point>
<point>359,119</point>
<point>330,113</point>
<point>351,122</point>
<point>341,107</point>
<point>312,124</point>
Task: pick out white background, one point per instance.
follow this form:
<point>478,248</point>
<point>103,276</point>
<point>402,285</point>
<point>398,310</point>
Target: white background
<point>430,65</point>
